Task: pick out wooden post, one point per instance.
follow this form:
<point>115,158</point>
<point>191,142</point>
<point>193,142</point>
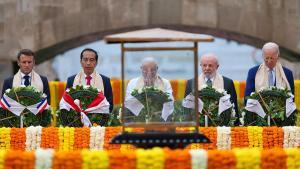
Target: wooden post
<point>123,84</point>
<point>196,85</point>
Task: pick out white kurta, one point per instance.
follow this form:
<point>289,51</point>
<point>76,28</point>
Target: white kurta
<point>133,83</point>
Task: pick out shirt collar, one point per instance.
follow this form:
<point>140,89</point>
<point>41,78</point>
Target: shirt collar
<point>22,74</point>
<point>273,70</point>
<point>86,75</point>
<point>212,79</point>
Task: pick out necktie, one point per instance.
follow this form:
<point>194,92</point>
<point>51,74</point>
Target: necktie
<point>88,80</point>
<point>270,76</point>
<point>26,82</point>
<point>209,82</point>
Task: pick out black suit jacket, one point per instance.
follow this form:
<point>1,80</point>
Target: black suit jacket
<point>228,86</point>
<point>9,81</point>
<point>107,89</point>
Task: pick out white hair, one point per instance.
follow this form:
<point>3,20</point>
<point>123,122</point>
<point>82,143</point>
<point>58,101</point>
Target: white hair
<point>148,60</point>
<point>271,46</point>
<point>210,55</point>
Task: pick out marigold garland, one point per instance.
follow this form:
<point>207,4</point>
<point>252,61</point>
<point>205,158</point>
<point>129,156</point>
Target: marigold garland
<point>211,133</point>
<point>2,157</point>
<point>19,159</point>
<point>50,138</point>
<point>175,159</point>
<point>67,160</point>
<point>272,137</point>
<point>273,158</point>
<point>247,158</point>
<point>110,132</point>
<point>293,158</point>
<point>239,137</point>
<point>150,159</point>
<point>82,138</point>
<point>95,159</point>
<point>250,158</point>
<point>66,138</point>
<point>221,159</point>
<point>4,138</point>
<point>98,138</point>
<point>125,159</point>
<point>255,136</point>
<point>17,138</point>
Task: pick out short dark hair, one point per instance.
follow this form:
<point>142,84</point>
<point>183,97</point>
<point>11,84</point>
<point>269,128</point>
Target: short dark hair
<point>26,52</point>
<point>90,50</point>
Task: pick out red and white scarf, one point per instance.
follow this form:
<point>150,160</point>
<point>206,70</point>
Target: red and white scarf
<point>98,105</point>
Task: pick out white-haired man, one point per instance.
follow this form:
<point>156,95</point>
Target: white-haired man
<point>149,77</point>
<point>270,72</point>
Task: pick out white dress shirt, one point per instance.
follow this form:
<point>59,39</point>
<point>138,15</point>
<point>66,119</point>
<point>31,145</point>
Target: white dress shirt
<point>23,79</point>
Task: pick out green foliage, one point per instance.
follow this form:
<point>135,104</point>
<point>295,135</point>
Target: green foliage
<point>273,102</point>
<point>210,98</point>
<point>114,119</point>
<point>153,100</point>
<point>26,96</point>
<point>72,118</point>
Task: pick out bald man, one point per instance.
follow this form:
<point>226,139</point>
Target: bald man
<point>149,78</point>
<point>209,64</point>
<point>270,72</point>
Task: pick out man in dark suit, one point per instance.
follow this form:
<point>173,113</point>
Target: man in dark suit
<point>26,75</point>
<point>270,72</point>
<point>89,60</point>
<point>210,76</point>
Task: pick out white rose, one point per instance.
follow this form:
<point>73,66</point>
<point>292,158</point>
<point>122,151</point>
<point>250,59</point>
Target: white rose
<point>203,86</point>
<point>140,90</point>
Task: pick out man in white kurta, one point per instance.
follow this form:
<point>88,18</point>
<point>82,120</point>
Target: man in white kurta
<point>149,78</point>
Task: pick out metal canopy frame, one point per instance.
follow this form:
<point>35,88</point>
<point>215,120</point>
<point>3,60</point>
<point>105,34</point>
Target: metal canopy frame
<point>194,38</point>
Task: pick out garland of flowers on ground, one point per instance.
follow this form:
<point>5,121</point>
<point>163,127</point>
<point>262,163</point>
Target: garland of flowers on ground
<point>268,107</point>
<point>43,158</point>
<point>33,138</point>
<point>24,98</point>
<point>158,158</point>
<point>98,138</point>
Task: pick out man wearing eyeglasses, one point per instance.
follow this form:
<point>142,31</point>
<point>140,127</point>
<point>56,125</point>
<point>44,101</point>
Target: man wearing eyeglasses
<point>149,78</point>
<point>89,76</point>
<point>210,77</point>
<point>270,72</point>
